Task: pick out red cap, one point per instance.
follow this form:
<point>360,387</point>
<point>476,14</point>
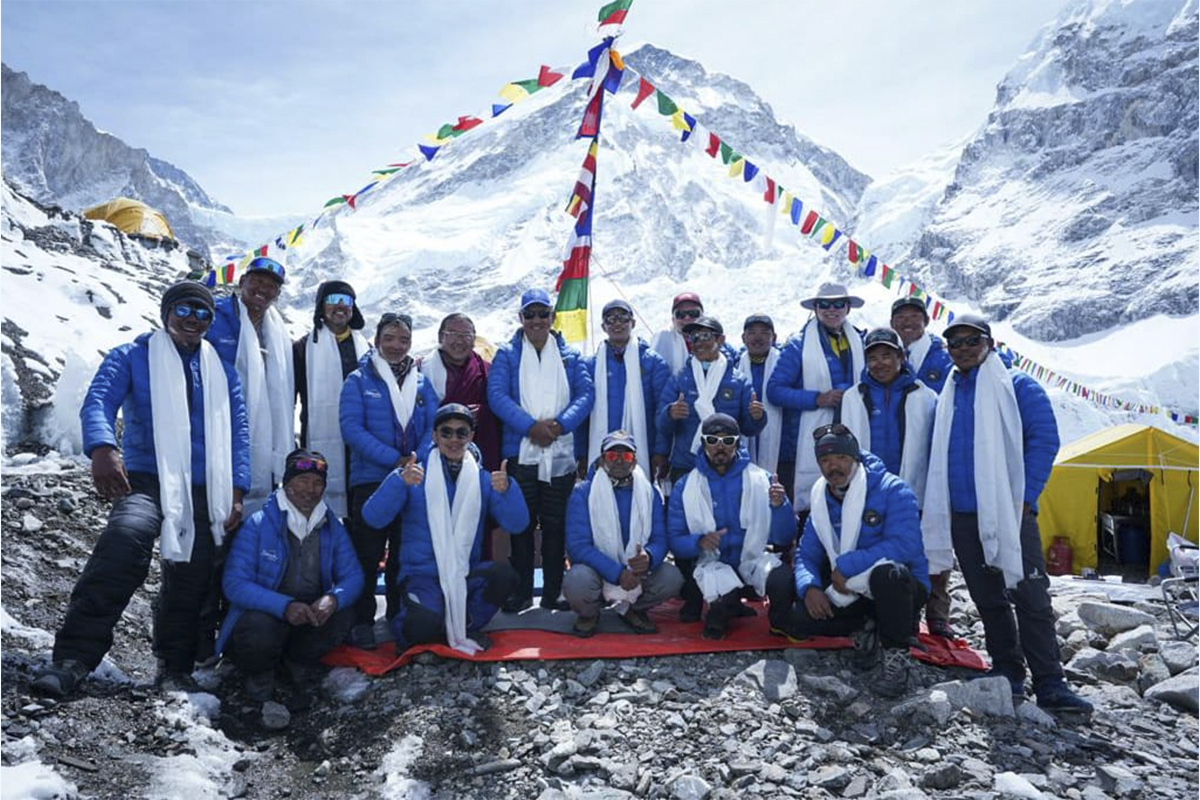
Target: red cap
<point>686,297</point>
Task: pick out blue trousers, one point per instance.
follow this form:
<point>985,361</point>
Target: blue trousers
<point>422,615</point>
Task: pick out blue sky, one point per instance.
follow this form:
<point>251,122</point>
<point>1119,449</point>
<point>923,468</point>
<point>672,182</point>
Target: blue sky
<point>274,107</point>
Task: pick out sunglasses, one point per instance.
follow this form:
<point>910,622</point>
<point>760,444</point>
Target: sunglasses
<point>390,318</point>
<point>713,441</point>
<point>965,341</point>
<point>835,428</point>
<point>312,465</point>
<point>268,265</point>
<point>339,300</point>
<point>183,311</point>
<point>536,314</point>
<point>618,319</point>
<point>825,305</point>
<point>613,456</point>
<point>464,335</point>
<point>701,336</point>
<point>446,432</point>
<point>688,313</point>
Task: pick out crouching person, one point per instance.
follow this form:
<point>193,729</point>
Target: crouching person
<point>860,566</point>
<point>447,593</point>
<point>291,579</point>
<point>617,540</point>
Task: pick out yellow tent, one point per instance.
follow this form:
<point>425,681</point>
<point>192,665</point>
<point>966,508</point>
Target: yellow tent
<point>1121,477</point>
<point>132,216</point>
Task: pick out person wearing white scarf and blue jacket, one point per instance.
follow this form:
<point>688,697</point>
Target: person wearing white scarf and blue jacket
<point>994,443</point>
<point>541,393</point>
<point>859,567</point>
<point>178,479</point>
<point>386,415</point>
<point>448,593</point>
<point>723,519</point>
<point>617,539</point>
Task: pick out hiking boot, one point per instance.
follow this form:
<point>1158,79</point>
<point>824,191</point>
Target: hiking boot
<point>517,603</point>
<point>259,686</point>
<point>740,609</point>
<point>362,636</point>
<point>893,677</point>
<point>60,678</point>
<point>1058,697</point>
<point>940,627</point>
<point>555,605</point>
<point>480,638</point>
<point>691,609</point>
<point>775,630</point>
<point>585,627</point>
<point>639,622</point>
<point>716,622</point>
<point>866,646</point>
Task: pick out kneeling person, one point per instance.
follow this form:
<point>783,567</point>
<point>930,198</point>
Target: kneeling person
<point>447,593</point>
<point>291,578</point>
<point>860,566</point>
<point>617,540</point>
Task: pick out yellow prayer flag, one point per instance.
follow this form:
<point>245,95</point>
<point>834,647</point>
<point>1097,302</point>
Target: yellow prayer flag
<point>735,169</point>
<point>572,325</point>
<point>678,122</point>
<point>785,207</point>
<point>513,93</point>
<point>827,234</point>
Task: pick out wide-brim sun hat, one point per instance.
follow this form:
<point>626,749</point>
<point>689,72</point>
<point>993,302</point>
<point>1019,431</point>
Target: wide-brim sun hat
<point>831,291</point>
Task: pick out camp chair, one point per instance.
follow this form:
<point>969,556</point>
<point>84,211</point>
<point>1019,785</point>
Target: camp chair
<point>1183,606</point>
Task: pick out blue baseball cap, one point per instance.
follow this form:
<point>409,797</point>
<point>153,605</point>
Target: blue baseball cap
<point>535,297</point>
<point>618,439</point>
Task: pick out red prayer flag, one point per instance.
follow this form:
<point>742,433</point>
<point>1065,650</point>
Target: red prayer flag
<point>809,222</point>
<point>769,194</point>
<point>714,144</point>
<point>645,89</point>
<point>466,123</point>
<point>548,78</point>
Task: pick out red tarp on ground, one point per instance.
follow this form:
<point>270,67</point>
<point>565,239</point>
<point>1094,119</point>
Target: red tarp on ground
<point>673,638</point>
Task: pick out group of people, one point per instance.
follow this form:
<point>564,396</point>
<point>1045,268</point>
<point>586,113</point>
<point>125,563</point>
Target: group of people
<point>680,468</point>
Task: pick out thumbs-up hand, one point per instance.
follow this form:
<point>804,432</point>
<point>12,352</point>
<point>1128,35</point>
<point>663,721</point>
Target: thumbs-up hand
<point>756,407</point>
<point>640,563</point>
<point>679,409</point>
<point>500,478</point>
<point>778,493</point>
<point>412,472</point>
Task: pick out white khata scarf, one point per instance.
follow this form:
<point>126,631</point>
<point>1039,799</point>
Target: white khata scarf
<point>434,370</point>
<point>299,525</point>
<point>324,392</point>
<point>918,350</point>
<point>999,474</point>
<point>671,345</point>
<point>269,387</point>
<point>173,445</point>
<point>606,528</point>
<point>764,448</point>
<point>707,384</point>
<point>404,398</point>
<point>815,373</point>
<point>714,577</point>
<point>452,531</point>
<point>633,415</point>
<point>852,511</point>
<point>545,392</point>
<point>919,406</point>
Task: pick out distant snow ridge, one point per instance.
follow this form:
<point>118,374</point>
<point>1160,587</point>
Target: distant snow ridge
<point>1074,207</point>
<point>56,156</point>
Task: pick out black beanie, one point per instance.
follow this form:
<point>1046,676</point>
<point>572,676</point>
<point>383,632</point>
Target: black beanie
<point>301,461</point>
<point>720,423</point>
<point>842,444</point>
<point>336,287</point>
<point>186,292</point>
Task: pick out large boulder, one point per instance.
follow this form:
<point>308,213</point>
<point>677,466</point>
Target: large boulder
<point>1182,691</point>
<point>1111,619</point>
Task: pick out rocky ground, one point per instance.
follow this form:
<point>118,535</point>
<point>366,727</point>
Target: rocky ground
<point>796,723</point>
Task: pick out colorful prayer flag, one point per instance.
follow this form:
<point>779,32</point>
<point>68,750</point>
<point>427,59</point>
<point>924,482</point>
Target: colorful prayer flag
<point>500,108</point>
<point>666,106</point>
<point>714,144</point>
<point>769,194</point>
<point>427,151</point>
<point>689,125</point>
<point>614,13</point>
<point>750,171</point>
<point>645,89</point>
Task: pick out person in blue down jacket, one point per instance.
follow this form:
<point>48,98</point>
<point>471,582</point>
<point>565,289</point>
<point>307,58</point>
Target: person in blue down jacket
<point>774,449</point>
<point>291,578</point>
<point>621,404</point>
<point>202,468</point>
<point>722,518</point>
<point>386,414</point>
<point>448,594</point>
<point>860,566</point>
<point>994,443</point>
<point>709,382</point>
<point>817,365</point>
<point>540,391</point>
<point>617,540</point>
<point>930,361</point>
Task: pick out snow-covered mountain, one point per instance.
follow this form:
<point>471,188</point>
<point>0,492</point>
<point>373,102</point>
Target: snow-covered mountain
<point>56,156</point>
<point>1074,207</point>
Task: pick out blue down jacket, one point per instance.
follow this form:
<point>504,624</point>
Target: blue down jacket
<point>369,425</point>
<point>655,374</point>
<point>581,543</point>
<point>674,437</point>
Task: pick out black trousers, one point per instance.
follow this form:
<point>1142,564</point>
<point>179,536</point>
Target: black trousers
<point>119,564</point>
<point>1031,632</point>
<point>369,545</point>
<point>899,598</point>
<point>547,504</point>
<point>261,642</point>
<point>423,613</point>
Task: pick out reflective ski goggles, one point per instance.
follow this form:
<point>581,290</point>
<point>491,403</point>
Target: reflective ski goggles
<point>339,300</point>
<point>701,336</point>
<point>614,455</point>
<point>183,311</point>
<point>264,264</point>
<point>835,428</point>
<point>311,465</point>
